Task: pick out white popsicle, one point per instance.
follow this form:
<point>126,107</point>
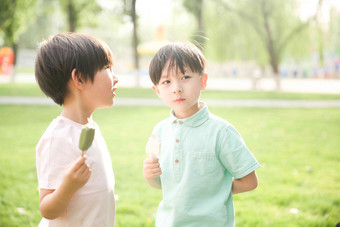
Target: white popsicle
<point>153,146</point>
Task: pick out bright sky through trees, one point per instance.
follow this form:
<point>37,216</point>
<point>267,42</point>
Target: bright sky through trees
<point>159,12</point>
<point>308,7</point>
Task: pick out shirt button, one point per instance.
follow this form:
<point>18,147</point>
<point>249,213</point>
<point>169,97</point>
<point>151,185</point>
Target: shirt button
<point>176,160</point>
<point>180,122</point>
<point>175,122</point>
<point>177,140</point>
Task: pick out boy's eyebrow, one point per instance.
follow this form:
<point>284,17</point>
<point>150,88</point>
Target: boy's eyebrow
<point>186,69</point>
<point>164,76</point>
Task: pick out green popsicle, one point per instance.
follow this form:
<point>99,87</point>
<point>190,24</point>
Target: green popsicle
<point>86,137</point>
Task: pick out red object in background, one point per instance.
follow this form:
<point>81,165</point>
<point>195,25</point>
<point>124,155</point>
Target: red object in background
<point>6,60</point>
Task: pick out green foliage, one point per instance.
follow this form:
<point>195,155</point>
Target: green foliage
<point>53,17</point>
<point>333,39</point>
<point>191,6</point>
<point>15,17</point>
<point>48,21</point>
<point>240,31</point>
<point>195,7</point>
<point>231,38</point>
<point>80,13</point>
<point>297,150</point>
<point>128,6</point>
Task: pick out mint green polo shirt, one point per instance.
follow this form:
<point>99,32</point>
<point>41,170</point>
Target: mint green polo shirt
<point>199,157</point>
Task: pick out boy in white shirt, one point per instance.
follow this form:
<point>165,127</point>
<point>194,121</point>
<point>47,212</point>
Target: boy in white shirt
<point>75,70</point>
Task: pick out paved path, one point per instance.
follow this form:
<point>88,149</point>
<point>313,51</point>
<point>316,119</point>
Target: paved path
<point>326,86</point>
<point>10,100</point>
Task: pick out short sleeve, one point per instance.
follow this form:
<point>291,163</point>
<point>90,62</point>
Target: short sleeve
<point>53,156</point>
<point>234,154</point>
<point>159,128</point>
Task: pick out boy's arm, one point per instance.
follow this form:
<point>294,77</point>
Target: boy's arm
<point>154,182</point>
<point>246,183</point>
<point>152,171</point>
<point>54,202</point>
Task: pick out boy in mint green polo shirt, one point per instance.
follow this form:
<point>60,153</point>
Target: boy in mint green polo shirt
<point>203,160</point>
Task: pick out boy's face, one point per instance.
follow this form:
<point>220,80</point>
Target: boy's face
<point>180,91</point>
<point>100,92</point>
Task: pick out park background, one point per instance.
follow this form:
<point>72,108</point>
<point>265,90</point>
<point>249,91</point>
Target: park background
<point>258,50</point>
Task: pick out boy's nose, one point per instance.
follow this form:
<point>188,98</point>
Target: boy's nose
<point>177,89</point>
<point>115,78</point>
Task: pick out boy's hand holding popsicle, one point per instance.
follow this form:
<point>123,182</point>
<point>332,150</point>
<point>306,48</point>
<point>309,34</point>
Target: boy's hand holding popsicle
<point>151,168</point>
<point>78,173</point>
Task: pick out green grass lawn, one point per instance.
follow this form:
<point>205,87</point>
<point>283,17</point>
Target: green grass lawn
<point>19,89</point>
<point>298,150</point>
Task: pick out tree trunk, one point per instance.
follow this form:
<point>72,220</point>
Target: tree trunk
<point>277,81</point>
<point>199,15</point>
<point>15,52</point>
<point>270,46</point>
<point>275,69</point>
<point>135,41</point>
<point>257,75</point>
<point>71,16</point>
<point>200,38</point>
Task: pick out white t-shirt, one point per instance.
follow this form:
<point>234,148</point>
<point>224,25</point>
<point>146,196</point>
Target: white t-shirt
<point>94,203</point>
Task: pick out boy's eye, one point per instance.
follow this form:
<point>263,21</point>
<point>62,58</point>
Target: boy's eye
<point>185,77</point>
<point>166,82</point>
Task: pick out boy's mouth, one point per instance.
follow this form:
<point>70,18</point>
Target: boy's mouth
<point>179,100</point>
<point>113,90</point>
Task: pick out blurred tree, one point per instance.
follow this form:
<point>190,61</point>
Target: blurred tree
<point>48,20</point>
<point>228,34</point>
<point>15,16</point>
<point>80,12</point>
<point>275,23</point>
<point>334,31</point>
<point>196,8</point>
<point>130,10</point>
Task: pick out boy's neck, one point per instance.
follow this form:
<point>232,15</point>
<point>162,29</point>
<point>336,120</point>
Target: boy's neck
<point>194,109</point>
<point>76,113</point>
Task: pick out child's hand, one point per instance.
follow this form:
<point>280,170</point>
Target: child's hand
<point>53,202</point>
<point>151,168</point>
<point>77,173</point>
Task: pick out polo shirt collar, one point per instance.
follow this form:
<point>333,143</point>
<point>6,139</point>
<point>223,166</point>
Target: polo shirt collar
<point>193,121</point>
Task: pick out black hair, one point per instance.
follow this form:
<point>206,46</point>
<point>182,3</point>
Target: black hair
<point>177,55</point>
<point>60,54</point>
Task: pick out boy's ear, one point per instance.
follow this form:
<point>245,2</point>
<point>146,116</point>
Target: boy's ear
<point>204,81</point>
<point>77,80</point>
<point>155,88</point>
